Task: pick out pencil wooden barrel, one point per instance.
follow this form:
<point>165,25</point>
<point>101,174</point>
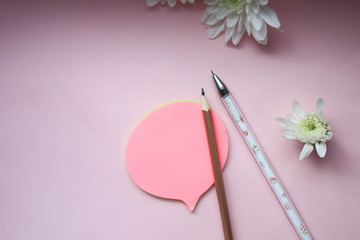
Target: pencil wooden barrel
<point>219,183</point>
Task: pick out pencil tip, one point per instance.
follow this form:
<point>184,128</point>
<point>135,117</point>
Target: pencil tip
<point>202,92</point>
<point>212,72</point>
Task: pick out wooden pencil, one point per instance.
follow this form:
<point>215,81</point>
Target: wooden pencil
<point>219,183</point>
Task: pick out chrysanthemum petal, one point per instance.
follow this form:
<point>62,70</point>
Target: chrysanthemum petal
<point>255,7</point>
<point>292,119</point>
<point>262,2</point>
<point>152,3</point>
<point>284,123</point>
<point>289,135</point>
<point>236,37</point>
<point>228,33</point>
<point>307,149</point>
<point>222,12</point>
<point>212,20</point>
<point>269,16</point>
<point>172,3</point>
<point>321,149</point>
<point>232,19</point>
<point>247,26</point>
<point>330,135</point>
<point>206,15</point>
<point>216,29</point>
<point>241,23</point>
<point>257,21</point>
<point>261,34</point>
<point>319,105</point>
<point>311,140</point>
<point>264,42</point>
<point>210,2</point>
<point>247,8</point>
<point>297,108</point>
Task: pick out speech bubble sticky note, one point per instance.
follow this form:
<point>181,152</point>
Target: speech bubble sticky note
<point>168,156</point>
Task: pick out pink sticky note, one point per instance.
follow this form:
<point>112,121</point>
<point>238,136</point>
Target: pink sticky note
<point>168,156</point>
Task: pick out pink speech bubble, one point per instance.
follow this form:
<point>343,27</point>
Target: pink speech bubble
<point>168,156</point>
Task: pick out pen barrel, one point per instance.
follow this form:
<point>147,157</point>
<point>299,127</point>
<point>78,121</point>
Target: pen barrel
<point>219,183</point>
<point>265,167</point>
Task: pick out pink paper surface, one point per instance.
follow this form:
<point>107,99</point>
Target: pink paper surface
<point>168,156</point>
<point>77,76</point>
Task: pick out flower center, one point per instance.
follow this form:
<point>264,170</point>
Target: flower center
<point>312,122</point>
<point>312,128</point>
<point>234,4</point>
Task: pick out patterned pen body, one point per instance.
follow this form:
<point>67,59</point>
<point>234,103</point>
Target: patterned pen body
<point>265,166</point>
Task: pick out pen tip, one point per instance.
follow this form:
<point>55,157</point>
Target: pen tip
<point>212,72</point>
<point>202,92</point>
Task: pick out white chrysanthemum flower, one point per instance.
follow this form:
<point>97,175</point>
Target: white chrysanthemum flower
<point>309,128</point>
<point>236,16</point>
<point>171,3</point>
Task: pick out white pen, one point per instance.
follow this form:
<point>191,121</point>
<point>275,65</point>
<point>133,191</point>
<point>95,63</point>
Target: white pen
<point>262,160</point>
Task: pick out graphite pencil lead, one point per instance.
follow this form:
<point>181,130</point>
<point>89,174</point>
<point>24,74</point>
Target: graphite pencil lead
<point>202,92</point>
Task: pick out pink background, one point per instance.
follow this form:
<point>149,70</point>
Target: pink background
<point>77,76</point>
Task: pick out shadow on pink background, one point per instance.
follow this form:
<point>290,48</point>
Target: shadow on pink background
<point>76,77</point>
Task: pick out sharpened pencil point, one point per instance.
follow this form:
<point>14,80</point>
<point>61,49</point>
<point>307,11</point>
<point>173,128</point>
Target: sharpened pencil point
<point>212,72</point>
<point>202,92</point>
